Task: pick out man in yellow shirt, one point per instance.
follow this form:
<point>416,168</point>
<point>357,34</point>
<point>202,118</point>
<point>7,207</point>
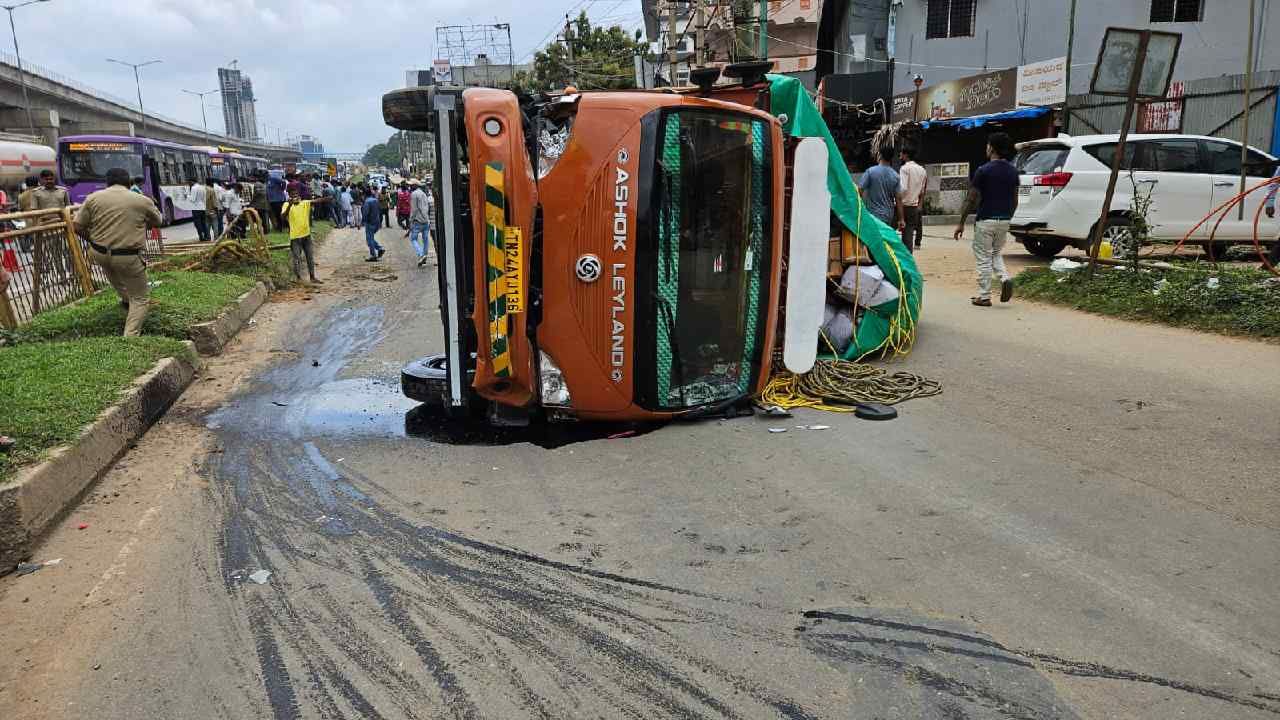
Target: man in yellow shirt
<point>297,214</point>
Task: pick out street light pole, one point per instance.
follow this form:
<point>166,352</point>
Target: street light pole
<point>137,80</point>
<point>22,74</point>
<point>203,119</point>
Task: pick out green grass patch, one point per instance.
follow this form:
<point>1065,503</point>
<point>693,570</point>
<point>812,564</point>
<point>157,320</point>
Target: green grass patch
<point>52,390</point>
<point>1245,301</point>
<point>178,301</point>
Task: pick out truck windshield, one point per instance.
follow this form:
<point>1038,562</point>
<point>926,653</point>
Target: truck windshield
<point>710,212</point>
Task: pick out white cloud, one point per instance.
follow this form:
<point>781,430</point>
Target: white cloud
<point>318,66</point>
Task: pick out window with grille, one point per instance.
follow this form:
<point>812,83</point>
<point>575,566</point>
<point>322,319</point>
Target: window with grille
<point>1177,10</point>
<point>950,18</point>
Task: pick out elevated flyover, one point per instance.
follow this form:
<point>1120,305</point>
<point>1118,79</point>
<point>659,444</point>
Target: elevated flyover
<point>62,106</point>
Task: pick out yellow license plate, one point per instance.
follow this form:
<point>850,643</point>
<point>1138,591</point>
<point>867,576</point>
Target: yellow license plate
<point>513,270</point>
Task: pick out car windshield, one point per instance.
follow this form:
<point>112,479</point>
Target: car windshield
<point>1041,159</point>
<point>712,194</point>
<point>92,165</point>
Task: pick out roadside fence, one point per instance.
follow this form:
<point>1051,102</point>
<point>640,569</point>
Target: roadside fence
<point>47,263</point>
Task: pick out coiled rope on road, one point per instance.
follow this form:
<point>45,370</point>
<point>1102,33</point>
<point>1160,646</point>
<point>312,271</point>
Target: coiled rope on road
<point>837,385</point>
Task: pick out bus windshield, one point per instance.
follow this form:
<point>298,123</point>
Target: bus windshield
<point>92,165</point>
<point>711,199</point>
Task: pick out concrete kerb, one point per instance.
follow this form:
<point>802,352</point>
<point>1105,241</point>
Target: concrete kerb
<point>38,495</point>
<point>211,337</point>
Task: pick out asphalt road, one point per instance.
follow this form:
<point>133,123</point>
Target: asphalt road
<point>1084,525</point>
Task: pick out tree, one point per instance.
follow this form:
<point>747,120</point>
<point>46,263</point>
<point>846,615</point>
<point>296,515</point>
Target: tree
<point>387,154</point>
<point>603,59</point>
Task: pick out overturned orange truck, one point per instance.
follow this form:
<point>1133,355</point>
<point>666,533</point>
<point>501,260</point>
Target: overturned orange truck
<point>613,255</point>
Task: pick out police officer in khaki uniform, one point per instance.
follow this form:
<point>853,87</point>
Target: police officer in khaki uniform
<point>115,222</point>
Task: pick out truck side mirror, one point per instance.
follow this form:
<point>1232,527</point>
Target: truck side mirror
<point>410,109</point>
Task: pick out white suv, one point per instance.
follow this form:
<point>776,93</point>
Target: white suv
<point>1064,179</point>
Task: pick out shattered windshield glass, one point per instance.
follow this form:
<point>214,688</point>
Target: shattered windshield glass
<point>711,194</point>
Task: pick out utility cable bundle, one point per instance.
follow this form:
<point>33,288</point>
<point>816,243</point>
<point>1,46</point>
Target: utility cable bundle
<point>837,385</point>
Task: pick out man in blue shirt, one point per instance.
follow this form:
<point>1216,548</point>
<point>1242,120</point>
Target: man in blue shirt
<point>276,196</point>
<point>881,189</point>
<point>994,192</point>
<point>372,222</point>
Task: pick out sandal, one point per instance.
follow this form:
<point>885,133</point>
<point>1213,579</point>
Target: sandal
<point>981,302</point>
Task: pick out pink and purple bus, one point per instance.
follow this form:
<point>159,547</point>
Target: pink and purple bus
<point>227,164</point>
<point>167,169</point>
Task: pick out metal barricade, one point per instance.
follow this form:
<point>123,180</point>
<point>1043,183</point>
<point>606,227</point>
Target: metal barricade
<point>45,264</point>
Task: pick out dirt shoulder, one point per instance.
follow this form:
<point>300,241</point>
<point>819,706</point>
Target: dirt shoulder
<point>148,521</point>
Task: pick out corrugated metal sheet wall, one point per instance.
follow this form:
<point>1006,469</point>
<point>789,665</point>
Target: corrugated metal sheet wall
<point>1211,106</point>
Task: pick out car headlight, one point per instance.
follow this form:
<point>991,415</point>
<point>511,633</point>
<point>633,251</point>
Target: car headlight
<point>554,390</point>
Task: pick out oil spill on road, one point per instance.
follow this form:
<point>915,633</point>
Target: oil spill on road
<point>431,424</point>
<point>375,610</point>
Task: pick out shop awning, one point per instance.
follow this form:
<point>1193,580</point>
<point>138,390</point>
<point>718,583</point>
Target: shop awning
<point>970,123</point>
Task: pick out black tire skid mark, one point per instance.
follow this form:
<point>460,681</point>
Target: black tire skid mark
<point>456,699</point>
<point>1046,661</point>
<point>933,680</point>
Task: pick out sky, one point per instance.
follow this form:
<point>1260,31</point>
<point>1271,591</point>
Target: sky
<point>319,67</point>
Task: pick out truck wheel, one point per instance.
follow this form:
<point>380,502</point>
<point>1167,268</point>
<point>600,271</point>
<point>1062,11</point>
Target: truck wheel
<point>1217,251</point>
<point>1043,247</point>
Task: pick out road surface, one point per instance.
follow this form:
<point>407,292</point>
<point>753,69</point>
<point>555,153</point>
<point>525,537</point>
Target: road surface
<point>1084,525</point>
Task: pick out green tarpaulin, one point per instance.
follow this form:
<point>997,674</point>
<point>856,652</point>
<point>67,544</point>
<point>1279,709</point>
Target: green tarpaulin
<point>889,327</point>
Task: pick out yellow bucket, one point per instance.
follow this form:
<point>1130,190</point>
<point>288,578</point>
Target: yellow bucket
<point>1104,250</point>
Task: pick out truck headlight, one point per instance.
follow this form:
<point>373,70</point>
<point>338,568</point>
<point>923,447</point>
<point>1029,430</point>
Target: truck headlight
<point>554,390</point>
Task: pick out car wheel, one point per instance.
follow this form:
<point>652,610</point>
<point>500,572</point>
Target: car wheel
<point>1043,247</point>
<point>1119,232</point>
<point>1217,251</point>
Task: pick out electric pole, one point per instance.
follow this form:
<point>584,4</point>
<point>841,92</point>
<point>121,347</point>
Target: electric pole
<point>671,41</point>
<point>1071,43</point>
<point>700,40</point>
<point>1248,91</point>
<point>764,29</point>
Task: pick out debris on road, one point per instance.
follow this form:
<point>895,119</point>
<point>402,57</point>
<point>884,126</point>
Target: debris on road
<point>26,568</point>
<point>279,404</point>
<point>82,526</point>
<point>261,576</point>
<point>841,385</point>
<point>777,430</point>
<point>1062,265</point>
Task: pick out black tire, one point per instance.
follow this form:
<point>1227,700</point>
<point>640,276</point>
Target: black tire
<point>1217,251</point>
<point>1043,247</point>
<point>409,109</point>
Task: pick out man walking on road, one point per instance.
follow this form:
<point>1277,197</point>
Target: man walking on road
<point>372,222</point>
<point>404,206</point>
<point>880,190</point>
<point>994,192</point>
<point>914,178</point>
<point>115,222</point>
<point>419,224</point>
<point>199,216</point>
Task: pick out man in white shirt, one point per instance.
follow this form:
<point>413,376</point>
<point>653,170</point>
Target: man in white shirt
<point>199,217</point>
<point>914,179</point>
